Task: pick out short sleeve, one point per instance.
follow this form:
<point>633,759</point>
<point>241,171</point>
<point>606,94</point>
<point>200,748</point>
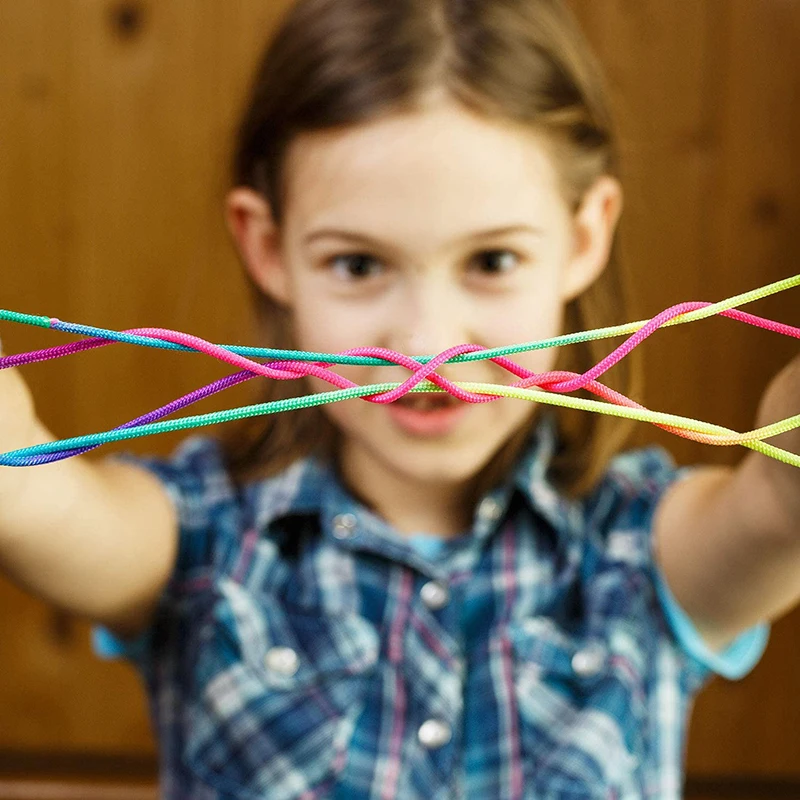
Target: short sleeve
<point>634,486</point>
<point>198,484</point>
<point>736,661</point>
<point>106,645</point>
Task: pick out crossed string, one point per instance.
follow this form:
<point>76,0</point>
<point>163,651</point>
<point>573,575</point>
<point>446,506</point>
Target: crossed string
<point>548,387</point>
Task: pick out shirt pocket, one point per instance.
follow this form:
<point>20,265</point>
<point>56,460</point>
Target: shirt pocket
<point>275,694</point>
<point>581,710</point>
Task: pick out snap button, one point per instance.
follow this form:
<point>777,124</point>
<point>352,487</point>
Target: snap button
<point>344,526</point>
<point>489,509</point>
<point>282,660</point>
<point>589,661</point>
<point>434,733</point>
<point>434,595</point>
<point>622,547</point>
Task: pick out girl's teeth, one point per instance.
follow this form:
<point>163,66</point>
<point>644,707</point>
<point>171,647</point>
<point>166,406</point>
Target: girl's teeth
<point>425,403</point>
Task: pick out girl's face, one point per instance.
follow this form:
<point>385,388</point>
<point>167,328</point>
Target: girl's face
<point>419,232</point>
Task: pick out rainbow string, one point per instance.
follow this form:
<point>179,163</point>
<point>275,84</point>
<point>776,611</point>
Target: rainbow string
<point>546,387</point>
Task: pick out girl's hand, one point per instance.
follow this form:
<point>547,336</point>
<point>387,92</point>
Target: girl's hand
<point>728,539</point>
<point>780,400</point>
<point>19,427</point>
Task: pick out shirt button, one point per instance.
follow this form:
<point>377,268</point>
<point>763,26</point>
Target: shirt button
<point>622,547</point>
<point>434,595</point>
<point>589,661</point>
<point>344,526</point>
<point>489,509</point>
<point>282,660</point>
<point>434,733</point>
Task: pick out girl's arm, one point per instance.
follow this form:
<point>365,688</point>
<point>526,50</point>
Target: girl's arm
<point>95,538</point>
<point>728,540</point>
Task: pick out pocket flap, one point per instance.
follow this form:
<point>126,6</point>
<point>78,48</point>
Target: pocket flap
<point>540,643</point>
<point>289,647</point>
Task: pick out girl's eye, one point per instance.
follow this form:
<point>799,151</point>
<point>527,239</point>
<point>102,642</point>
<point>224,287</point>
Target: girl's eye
<point>496,262</point>
<point>354,266</point>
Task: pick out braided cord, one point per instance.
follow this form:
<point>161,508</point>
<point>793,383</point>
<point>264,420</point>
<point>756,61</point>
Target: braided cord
<point>749,439</point>
<point>546,387</point>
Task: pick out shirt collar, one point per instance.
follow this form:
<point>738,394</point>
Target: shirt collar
<point>311,486</point>
<point>530,478</point>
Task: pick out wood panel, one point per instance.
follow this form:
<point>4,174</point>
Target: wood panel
<point>705,94</point>
<point>755,213</point>
<point>67,790</point>
<point>115,123</point>
<point>113,155</point>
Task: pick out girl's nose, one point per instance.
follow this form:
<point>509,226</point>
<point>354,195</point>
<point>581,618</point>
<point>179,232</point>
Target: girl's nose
<point>428,319</point>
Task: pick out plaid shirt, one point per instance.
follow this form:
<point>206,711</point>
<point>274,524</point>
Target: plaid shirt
<point>305,649</point>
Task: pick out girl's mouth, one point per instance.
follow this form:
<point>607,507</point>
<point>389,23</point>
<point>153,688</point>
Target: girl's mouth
<point>427,413</point>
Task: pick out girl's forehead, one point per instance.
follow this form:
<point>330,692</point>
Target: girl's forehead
<point>427,161</point>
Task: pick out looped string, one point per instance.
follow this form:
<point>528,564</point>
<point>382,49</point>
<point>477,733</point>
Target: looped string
<point>547,387</point>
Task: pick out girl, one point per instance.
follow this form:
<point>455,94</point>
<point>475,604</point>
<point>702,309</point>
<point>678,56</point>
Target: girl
<point>428,598</point>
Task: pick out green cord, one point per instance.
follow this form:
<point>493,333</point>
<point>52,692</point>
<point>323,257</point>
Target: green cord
<point>538,395</point>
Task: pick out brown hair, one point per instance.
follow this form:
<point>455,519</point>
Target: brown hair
<point>342,62</point>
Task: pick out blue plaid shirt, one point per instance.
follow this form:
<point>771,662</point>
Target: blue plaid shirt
<point>306,649</point>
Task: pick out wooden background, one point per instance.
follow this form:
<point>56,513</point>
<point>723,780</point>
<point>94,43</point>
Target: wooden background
<point>115,123</point>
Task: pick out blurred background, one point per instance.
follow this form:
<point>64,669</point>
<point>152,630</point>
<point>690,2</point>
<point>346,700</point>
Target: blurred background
<point>115,126</point>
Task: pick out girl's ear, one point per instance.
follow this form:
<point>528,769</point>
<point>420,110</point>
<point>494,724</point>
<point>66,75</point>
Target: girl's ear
<point>249,219</point>
<point>594,225</point>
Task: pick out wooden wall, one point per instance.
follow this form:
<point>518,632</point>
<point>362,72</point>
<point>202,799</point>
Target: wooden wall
<point>707,93</point>
<point>115,119</point>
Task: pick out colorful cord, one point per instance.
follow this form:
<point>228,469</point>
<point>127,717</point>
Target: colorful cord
<point>547,387</point>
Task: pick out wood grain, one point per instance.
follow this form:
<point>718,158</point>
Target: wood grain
<point>706,95</point>
<point>114,144</point>
<point>114,136</point>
